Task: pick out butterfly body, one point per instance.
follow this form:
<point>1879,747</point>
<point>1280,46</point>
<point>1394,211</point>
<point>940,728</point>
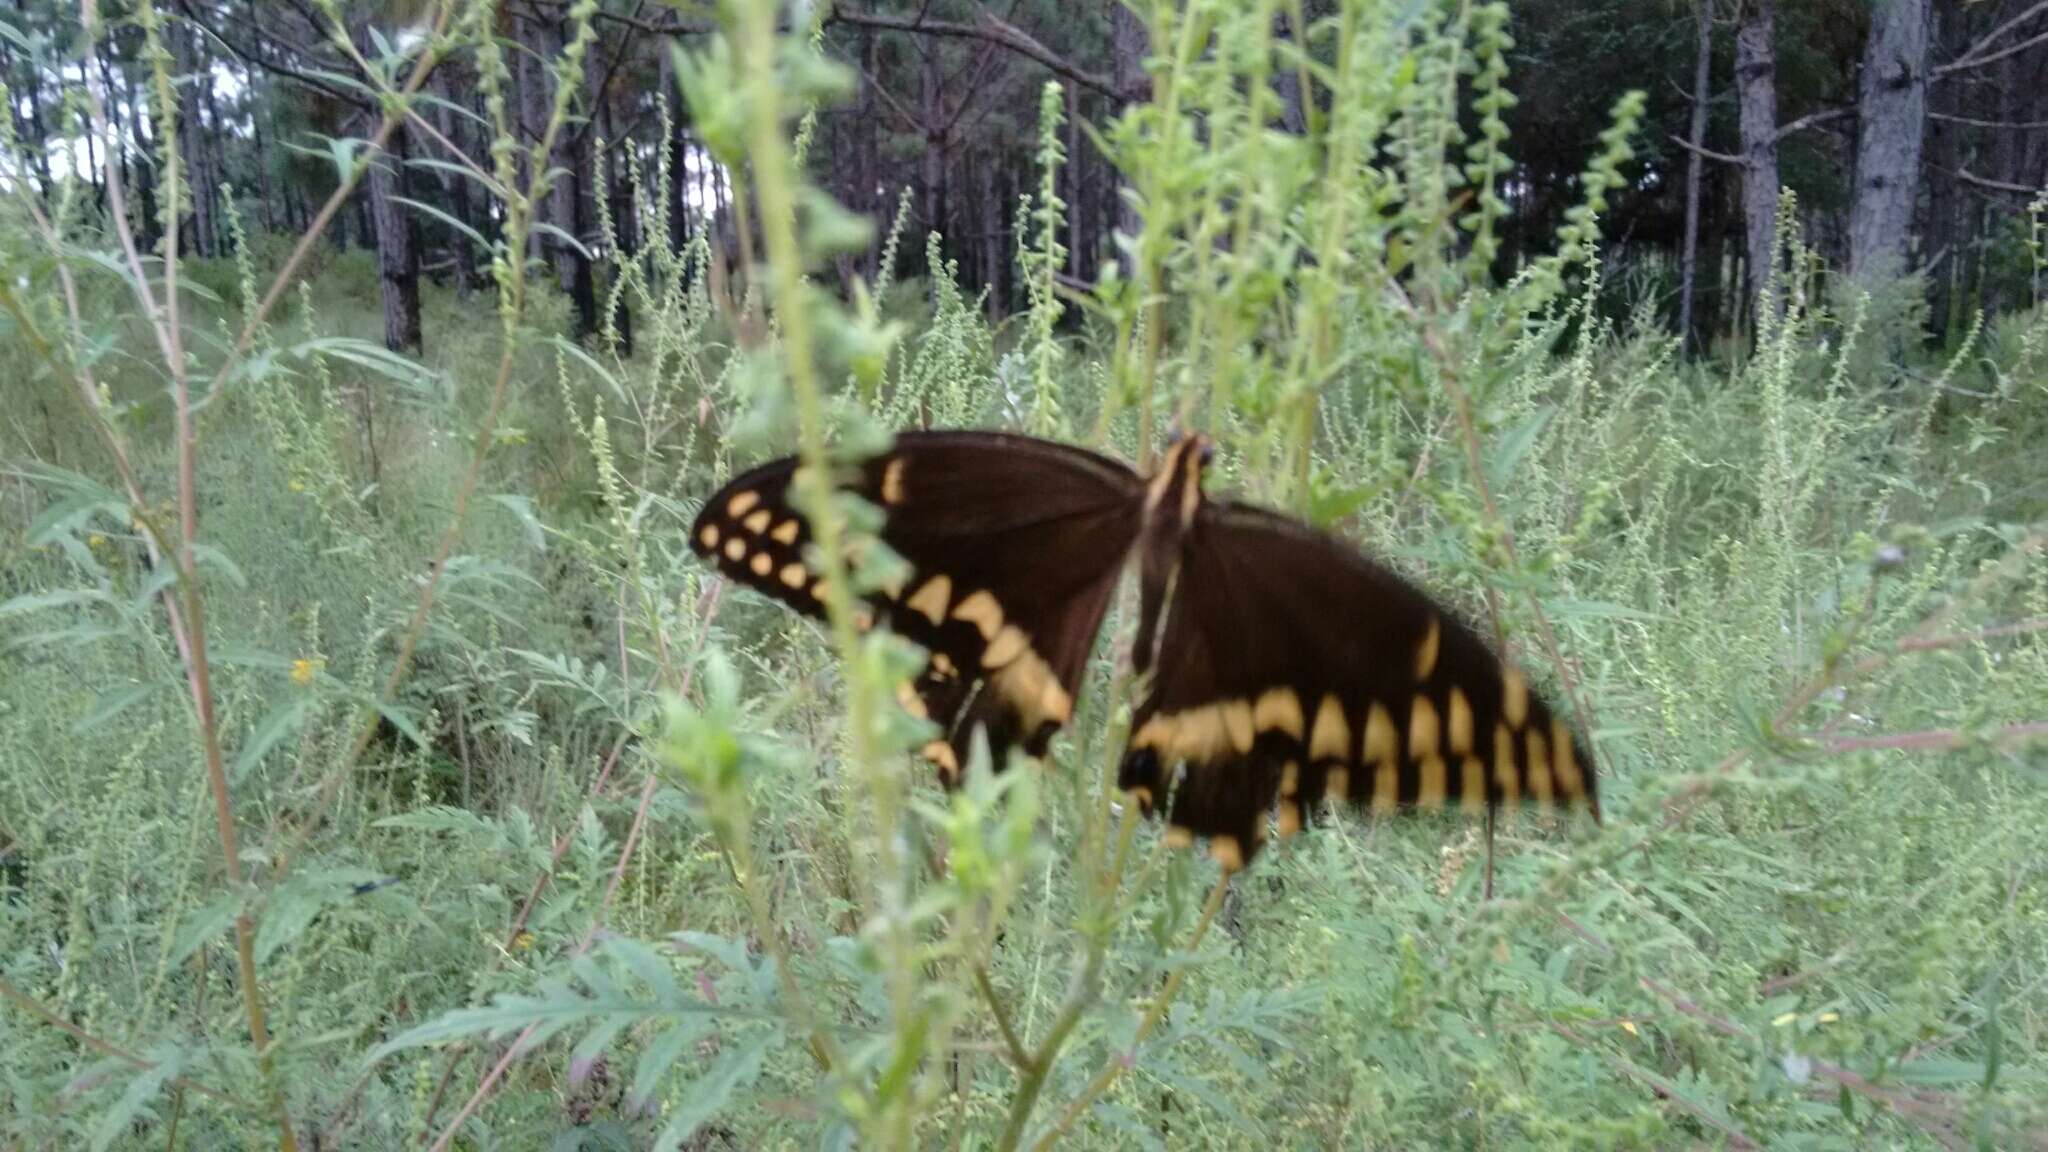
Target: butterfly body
<point>1282,669</point>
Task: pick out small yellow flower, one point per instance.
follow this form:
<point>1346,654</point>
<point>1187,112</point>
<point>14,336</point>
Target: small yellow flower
<point>1827,1018</point>
<point>522,942</point>
<point>296,484</point>
<point>95,541</point>
<point>1787,1018</point>
<point>303,671</point>
<point>1629,1026</point>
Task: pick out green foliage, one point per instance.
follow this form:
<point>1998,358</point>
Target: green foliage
<point>665,872</point>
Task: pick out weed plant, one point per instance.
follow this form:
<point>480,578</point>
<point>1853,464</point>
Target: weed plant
<point>378,769</point>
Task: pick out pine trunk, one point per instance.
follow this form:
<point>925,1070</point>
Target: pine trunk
<point>398,267</point>
<point>1702,76</point>
<point>1892,114</point>
<point>1756,95</point>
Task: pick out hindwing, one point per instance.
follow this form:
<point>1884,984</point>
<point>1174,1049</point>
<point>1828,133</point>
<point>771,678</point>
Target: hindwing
<point>1014,546</point>
<point>1292,670</point>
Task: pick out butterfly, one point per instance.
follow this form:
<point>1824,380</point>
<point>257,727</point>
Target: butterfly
<point>1280,667</point>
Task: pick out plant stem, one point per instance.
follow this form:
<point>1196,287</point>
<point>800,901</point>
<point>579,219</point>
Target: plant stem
<point>1153,1015</point>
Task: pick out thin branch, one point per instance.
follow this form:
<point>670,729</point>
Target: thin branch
<point>1970,59</point>
<point>1941,739</point>
<point>989,28</point>
<point>35,1008</point>
<point>1969,177</point>
<point>1664,1089</point>
<point>1153,1015</point>
<point>1811,119</point>
<point>2023,125</point>
<point>1723,157</point>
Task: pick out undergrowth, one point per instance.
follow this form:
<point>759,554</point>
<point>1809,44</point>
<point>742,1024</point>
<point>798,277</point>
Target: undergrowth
<point>377,768</point>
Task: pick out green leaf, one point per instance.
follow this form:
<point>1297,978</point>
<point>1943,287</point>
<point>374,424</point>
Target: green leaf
<point>297,902</point>
<point>165,1062</point>
<point>108,705</point>
<point>282,721</point>
<point>205,925</point>
<point>452,223</point>
<point>522,508</point>
<point>737,1067</point>
<point>660,1055</point>
<point>29,602</point>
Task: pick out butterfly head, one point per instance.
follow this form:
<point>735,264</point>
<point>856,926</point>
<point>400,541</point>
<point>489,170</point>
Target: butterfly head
<point>1176,489</point>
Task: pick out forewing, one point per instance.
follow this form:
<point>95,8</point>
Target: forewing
<point>1292,669</point>
<point>1014,545</point>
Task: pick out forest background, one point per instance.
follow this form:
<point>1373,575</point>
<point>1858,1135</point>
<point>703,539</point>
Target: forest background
<point>378,769</point>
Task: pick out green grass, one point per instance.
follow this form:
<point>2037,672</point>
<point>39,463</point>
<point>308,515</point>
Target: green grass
<point>1800,590</point>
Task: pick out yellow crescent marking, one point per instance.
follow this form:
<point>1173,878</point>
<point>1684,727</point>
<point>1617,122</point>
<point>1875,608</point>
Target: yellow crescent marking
<point>1472,791</point>
<point>1030,687</point>
<point>1539,768</point>
<point>892,482</point>
<point>794,575</point>
<point>1278,710</point>
<point>1288,818</point>
<point>1570,781</point>
<point>1425,734</point>
<point>911,701</point>
<point>758,522</point>
<point>1429,789</point>
<point>1009,644</point>
<point>1380,747</point>
<point>1514,697</point>
<point>1237,723</point>
<point>785,532</point>
<point>941,753</point>
<point>1053,702</point>
<point>1337,785</point>
<point>1425,652</point>
<point>742,504</point>
<point>1290,778</point>
<point>1179,836</point>
<point>1458,725</point>
<point>1198,735</point>
<point>1154,733</point>
<point>1331,738</point>
<point>981,610</point>
<point>1142,796</point>
<point>1226,852</point>
<point>735,548</point>
<point>762,564</point>
<point>708,535</point>
<point>1505,777</point>
<point>1386,787</point>
<point>942,664</point>
<point>932,598</point>
<point>820,590</point>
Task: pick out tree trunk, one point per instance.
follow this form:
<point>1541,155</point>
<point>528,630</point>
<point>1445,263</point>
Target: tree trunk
<point>1892,114</point>
<point>575,214</point>
<point>1702,76</point>
<point>454,185</point>
<point>1073,177</point>
<point>192,146</point>
<point>534,102</point>
<point>398,265</point>
<point>677,146</point>
<point>625,242</point>
<point>1129,40</point>
<point>147,226</point>
<point>1756,95</point>
<point>932,118</point>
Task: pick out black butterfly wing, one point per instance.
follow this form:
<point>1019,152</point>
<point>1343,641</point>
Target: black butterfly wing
<point>1014,546</point>
<point>1292,669</point>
